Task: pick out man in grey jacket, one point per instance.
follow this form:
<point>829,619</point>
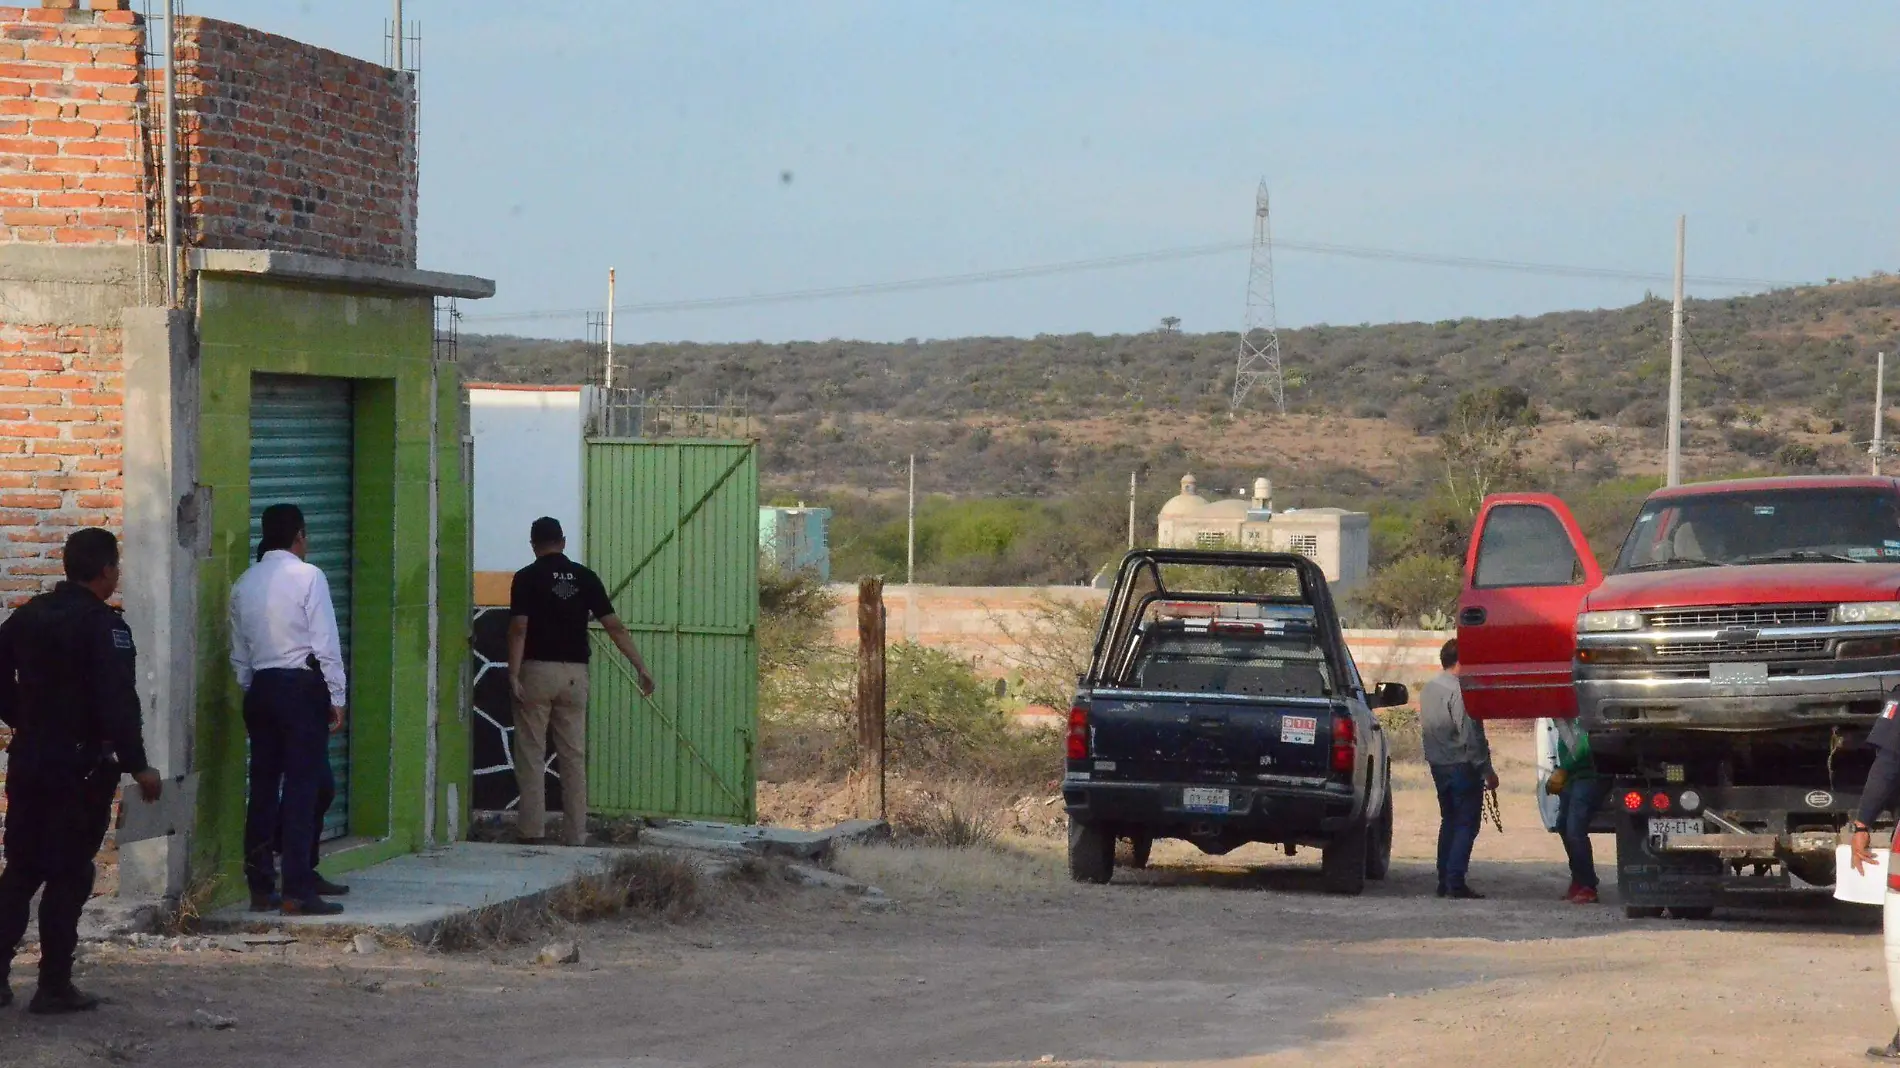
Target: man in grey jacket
<point>1460,757</point>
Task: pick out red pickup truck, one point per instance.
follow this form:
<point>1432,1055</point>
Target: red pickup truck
<point>1728,668</point>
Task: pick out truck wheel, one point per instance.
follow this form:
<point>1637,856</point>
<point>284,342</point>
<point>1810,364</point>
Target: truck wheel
<point>1343,862</point>
<point>1692,912</point>
<point>1140,848</point>
<point>1379,852</point>
<point>1091,853</point>
<point>1642,912</point>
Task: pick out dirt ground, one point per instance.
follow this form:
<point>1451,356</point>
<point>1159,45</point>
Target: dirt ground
<point>991,957</point>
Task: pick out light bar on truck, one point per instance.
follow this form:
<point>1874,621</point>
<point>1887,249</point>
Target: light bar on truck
<point>1868,612</point>
<point>1600,622</point>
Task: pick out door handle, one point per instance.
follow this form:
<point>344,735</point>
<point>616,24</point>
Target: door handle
<point>1471,617</point>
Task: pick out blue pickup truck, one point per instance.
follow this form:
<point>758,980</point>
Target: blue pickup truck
<point>1222,707</point>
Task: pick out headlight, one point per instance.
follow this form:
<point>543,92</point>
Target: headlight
<point>1868,612</point>
<point>1597,622</point>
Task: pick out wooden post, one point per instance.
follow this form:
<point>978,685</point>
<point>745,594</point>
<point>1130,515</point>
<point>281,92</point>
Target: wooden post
<point>871,693</point>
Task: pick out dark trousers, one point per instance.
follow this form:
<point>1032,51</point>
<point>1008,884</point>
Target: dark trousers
<point>1575,806</point>
<point>287,714</point>
<point>56,821</point>
<point>1460,810</point>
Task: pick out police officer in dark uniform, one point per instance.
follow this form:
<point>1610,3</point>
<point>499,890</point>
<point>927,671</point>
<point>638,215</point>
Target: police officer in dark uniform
<point>67,688</point>
<point>1883,790</point>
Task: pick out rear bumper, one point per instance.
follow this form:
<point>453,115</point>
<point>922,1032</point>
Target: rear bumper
<point>1623,699</point>
<point>1256,813</point>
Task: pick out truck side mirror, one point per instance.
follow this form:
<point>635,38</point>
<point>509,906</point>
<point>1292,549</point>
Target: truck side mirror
<point>1390,695</point>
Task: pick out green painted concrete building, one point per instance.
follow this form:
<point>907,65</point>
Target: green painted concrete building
<point>320,382</point>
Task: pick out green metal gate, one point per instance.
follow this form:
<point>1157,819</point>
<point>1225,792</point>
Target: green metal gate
<point>302,447</point>
<point>672,529</point>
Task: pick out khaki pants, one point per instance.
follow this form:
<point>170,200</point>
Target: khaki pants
<point>554,697</point>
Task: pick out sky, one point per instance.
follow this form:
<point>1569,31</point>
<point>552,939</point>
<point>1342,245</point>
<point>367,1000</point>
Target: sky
<point>717,148</point>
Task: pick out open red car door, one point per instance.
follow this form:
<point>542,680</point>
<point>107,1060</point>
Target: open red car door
<point>1526,573</point>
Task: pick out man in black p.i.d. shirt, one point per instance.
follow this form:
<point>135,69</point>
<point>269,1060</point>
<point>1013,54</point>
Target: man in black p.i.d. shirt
<point>550,606</point>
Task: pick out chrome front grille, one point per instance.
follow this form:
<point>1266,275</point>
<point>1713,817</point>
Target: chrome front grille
<point>1763,649</point>
<point>1774,615</point>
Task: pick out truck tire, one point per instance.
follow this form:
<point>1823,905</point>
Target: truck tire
<point>1343,862</point>
<point>1379,850</point>
<point>1140,848</point>
<point>1642,912</point>
<point>1091,853</point>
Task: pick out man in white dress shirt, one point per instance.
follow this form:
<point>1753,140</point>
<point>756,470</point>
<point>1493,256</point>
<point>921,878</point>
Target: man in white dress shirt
<point>289,662</point>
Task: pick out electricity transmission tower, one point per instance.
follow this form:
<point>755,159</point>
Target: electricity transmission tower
<point>1259,360</point>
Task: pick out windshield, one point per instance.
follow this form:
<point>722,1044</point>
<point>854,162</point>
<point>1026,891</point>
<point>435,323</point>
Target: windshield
<point>1769,526</point>
<point>1257,663</point>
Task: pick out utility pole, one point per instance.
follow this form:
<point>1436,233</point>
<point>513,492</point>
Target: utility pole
<point>1131,511</point>
<point>1880,408</point>
<point>610,328</point>
<point>171,155</point>
<point>1675,363</point>
<point>910,530</point>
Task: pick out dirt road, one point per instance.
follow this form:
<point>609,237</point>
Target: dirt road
<point>993,959</point>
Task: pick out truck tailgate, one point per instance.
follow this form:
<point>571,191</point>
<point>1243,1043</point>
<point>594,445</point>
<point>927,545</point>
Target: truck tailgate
<point>1140,738</point>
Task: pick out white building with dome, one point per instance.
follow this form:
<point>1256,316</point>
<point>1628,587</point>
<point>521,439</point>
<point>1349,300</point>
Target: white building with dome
<point>1339,541</point>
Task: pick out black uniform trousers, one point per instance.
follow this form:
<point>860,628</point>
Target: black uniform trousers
<point>56,821</point>
<point>287,715</point>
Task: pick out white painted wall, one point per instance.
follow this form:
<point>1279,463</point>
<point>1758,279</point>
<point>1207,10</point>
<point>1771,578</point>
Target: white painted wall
<point>529,446</point>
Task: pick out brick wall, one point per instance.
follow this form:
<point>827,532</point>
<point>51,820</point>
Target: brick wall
<point>71,136</point>
<point>290,146</point>
<point>73,155</point>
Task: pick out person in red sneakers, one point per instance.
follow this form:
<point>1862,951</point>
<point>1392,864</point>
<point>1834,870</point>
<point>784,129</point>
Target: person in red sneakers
<point>1579,791</point>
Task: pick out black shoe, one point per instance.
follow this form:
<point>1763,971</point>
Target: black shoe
<point>315,906</point>
<point>1440,892</point>
<point>326,888</point>
<point>1890,1052</point>
<point>270,902</point>
<point>1464,893</point>
<point>61,1000</point>
<point>6,995</point>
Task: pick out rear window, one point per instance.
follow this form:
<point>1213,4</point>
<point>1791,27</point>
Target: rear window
<point>1255,664</point>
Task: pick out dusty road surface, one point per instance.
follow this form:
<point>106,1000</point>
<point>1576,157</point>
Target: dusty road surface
<point>991,958</point>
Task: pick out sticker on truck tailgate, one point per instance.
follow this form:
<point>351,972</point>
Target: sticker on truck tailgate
<point>1298,730</point>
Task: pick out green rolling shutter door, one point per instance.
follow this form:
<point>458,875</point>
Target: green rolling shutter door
<point>302,445</point>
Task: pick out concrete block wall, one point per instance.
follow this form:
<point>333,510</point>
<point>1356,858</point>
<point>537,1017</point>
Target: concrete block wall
<point>290,146</point>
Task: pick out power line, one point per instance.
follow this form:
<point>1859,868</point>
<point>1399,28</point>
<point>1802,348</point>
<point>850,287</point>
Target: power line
<point>1135,259</point>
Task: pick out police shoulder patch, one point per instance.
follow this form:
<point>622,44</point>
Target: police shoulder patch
<point>121,639</point>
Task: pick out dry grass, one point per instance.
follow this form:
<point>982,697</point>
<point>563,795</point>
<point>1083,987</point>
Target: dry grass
<point>654,884</point>
<point>187,914</point>
<point>961,814</point>
<point>1010,865</point>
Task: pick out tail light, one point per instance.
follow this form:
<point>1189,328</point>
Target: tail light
<point>1345,751</point>
<point>1660,802</point>
<point>1632,802</point>
<point>1078,733</point>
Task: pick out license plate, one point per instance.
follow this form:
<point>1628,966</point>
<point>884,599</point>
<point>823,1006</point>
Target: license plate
<point>1298,730</point>
<point>1738,674</point>
<point>1198,799</point>
<point>1661,830</point>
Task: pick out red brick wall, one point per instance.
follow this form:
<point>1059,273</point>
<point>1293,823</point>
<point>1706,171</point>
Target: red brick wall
<point>71,142</point>
<point>290,146</point>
